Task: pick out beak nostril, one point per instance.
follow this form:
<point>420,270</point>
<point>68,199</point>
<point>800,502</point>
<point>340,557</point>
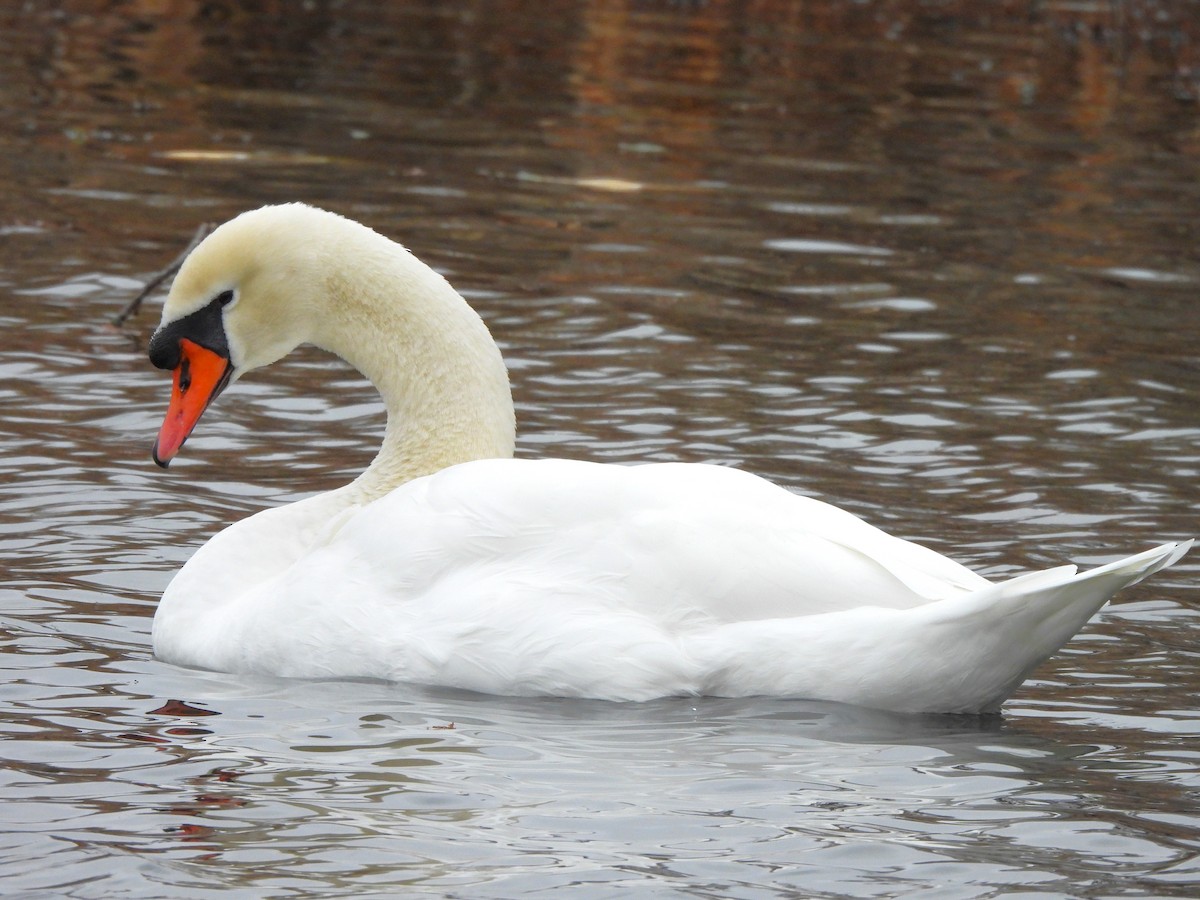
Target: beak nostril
<point>185,375</point>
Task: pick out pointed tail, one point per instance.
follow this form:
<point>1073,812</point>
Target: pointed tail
<point>1034,615</point>
<point>964,654</point>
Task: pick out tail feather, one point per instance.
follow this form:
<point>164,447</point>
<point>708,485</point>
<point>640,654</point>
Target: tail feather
<point>1142,565</point>
<point>1060,606</point>
<point>1041,593</point>
<point>1035,615</point>
<point>966,654</point>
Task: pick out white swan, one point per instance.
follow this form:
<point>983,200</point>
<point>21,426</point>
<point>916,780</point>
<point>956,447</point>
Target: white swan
<point>448,562</point>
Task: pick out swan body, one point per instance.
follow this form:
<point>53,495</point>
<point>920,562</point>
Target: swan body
<point>448,562</point>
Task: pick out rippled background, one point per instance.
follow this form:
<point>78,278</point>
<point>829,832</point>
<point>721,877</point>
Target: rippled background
<point>933,261</point>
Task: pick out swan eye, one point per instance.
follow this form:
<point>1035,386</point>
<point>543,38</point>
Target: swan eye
<point>224,298</point>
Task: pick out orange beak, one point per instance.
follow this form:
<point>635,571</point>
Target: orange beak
<point>200,376</point>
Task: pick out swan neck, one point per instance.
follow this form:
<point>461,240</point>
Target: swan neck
<point>433,361</point>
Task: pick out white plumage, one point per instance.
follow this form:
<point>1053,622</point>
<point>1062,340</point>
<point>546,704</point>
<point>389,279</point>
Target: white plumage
<point>449,563</point>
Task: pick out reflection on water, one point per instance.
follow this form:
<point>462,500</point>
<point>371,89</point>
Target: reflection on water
<point>934,264</point>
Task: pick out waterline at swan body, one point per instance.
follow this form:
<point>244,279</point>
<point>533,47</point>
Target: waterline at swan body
<point>448,562</point>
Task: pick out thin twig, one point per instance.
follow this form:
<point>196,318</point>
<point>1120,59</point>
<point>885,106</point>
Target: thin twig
<point>136,303</point>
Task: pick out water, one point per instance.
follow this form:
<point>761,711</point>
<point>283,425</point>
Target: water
<point>933,264</point>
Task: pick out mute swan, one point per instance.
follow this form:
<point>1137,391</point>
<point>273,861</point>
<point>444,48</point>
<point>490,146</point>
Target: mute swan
<point>448,562</point>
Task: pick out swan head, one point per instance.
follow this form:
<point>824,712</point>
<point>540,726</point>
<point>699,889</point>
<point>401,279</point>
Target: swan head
<point>241,300</point>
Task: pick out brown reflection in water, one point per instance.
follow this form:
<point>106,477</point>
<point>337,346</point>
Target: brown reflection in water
<point>654,70</point>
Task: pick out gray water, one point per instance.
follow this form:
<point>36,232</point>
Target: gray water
<point>934,264</point>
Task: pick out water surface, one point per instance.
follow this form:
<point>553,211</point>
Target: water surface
<point>932,264</point>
